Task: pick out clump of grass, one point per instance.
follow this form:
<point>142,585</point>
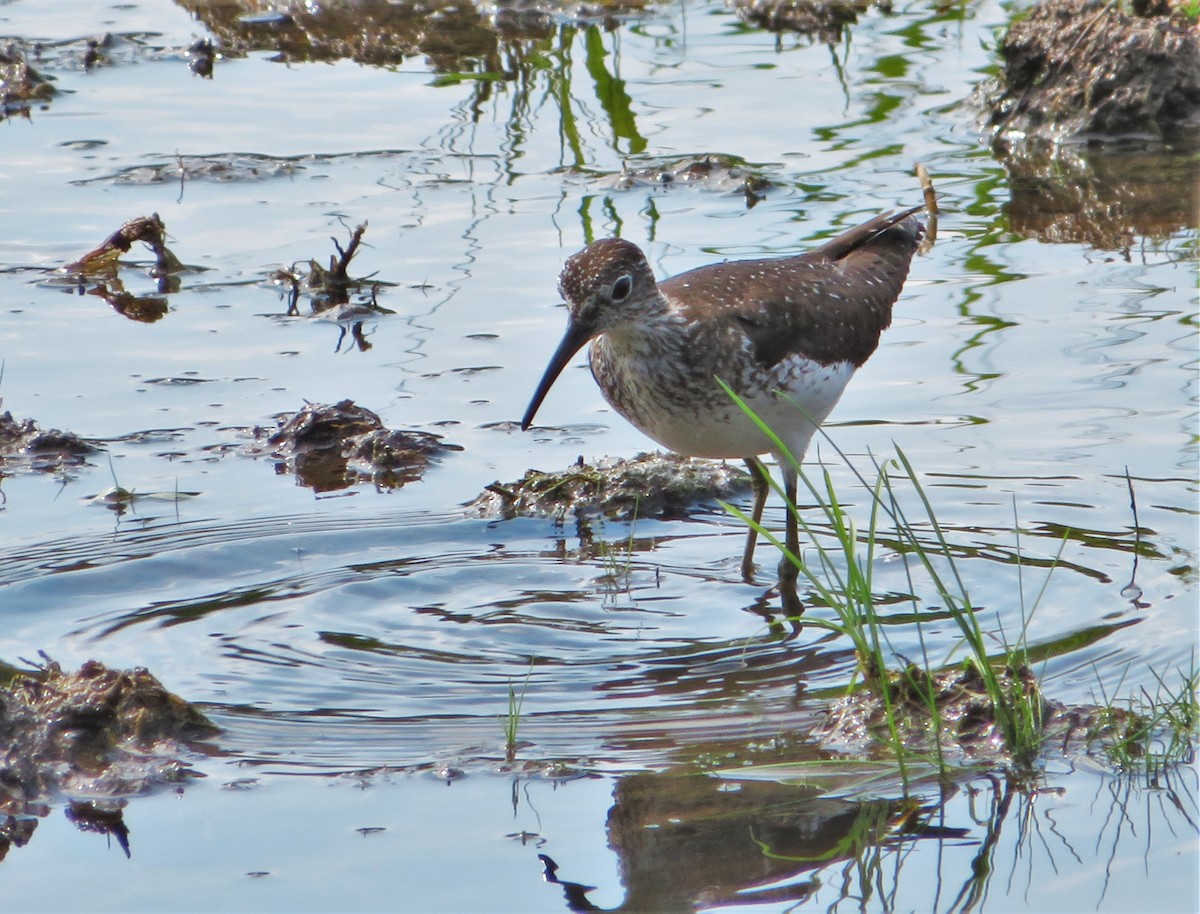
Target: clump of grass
<point>1152,732</point>
<point>512,720</point>
<point>617,559</point>
<point>840,575</point>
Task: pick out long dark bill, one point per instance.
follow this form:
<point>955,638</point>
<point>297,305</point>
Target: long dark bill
<point>573,340</point>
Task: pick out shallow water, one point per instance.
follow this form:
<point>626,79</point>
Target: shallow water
<point>358,646</point>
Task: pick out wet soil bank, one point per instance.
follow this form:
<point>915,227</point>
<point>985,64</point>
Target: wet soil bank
<point>1093,115</point>
<point>1088,70</point>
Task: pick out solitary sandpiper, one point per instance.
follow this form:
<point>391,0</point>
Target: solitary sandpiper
<point>785,334</point>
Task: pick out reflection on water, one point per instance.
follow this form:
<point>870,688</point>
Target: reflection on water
<point>689,842</point>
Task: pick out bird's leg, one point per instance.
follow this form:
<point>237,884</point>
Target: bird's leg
<point>761,484</point>
<point>788,572</point>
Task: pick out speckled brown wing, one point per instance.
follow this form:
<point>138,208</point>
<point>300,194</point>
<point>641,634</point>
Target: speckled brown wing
<point>830,304</point>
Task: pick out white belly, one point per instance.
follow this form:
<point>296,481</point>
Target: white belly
<point>694,417</point>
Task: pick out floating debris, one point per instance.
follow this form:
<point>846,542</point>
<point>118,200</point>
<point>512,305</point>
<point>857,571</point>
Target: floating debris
<point>330,290</point>
<point>333,447</point>
<point>329,287</point>
<point>222,167</point>
<point>119,500</point>
<point>649,485</point>
<point>24,445</point>
<point>203,54</point>
<point>149,230</point>
<point>332,287</point>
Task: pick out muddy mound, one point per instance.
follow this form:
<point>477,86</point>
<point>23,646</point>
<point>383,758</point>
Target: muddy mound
<point>821,20</point>
<point>649,485</point>
<point>951,713</point>
<point>1086,69</point>
<point>96,737</point>
<point>95,732</point>
<point>331,447</point>
<point>24,445</point>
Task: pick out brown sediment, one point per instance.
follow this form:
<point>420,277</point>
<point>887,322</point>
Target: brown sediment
<point>649,485</point>
<point>24,445</point>
<point>97,736</point>
<point>821,20</point>
<point>334,446</point>
<point>106,731</point>
<point>1083,69</point>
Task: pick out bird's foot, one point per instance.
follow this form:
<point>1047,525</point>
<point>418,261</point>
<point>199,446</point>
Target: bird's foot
<point>793,608</point>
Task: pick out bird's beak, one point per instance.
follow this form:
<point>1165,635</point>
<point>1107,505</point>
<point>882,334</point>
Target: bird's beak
<point>573,340</point>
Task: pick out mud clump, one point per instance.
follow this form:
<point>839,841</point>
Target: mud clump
<point>1086,69</point>
<point>20,83</point>
<point>1095,116</point>
<point>950,711</point>
<point>822,20</point>
<point>721,173</point>
<point>965,724</point>
<point>649,485</point>
<point>95,735</point>
<point>24,445</point>
<point>332,447</point>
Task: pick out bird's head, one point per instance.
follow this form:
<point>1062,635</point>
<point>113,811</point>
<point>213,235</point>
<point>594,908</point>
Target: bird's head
<point>607,285</point>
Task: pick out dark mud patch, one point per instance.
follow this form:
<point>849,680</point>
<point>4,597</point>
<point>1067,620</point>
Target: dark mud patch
<point>1082,69</point>
<point>94,736</point>
<point>950,715</point>
<point>1095,116</point>
<point>25,446</point>
<point>650,485</point>
<point>822,21</point>
<point>333,447</point>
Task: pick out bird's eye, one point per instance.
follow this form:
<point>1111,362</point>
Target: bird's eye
<point>622,287</point>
